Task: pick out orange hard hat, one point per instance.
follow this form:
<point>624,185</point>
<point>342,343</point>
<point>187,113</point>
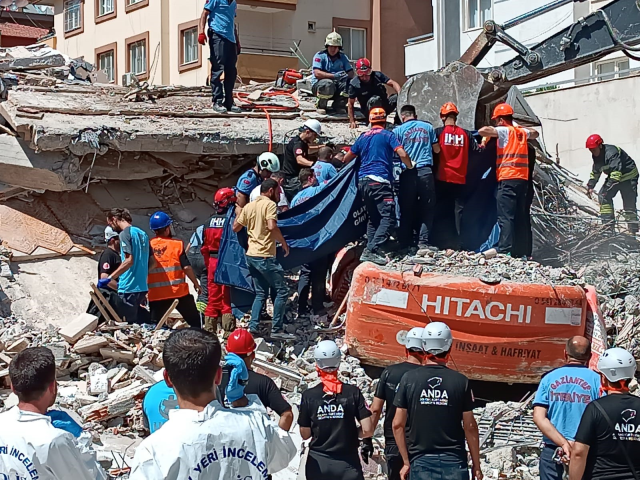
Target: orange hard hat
<point>241,342</point>
<point>594,141</point>
<point>448,108</point>
<point>377,115</point>
<point>502,110</point>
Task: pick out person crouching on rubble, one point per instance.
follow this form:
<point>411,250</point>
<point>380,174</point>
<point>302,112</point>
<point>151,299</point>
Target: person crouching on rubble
<point>607,442</point>
<point>219,301</point>
<point>434,415</point>
<point>30,444</point>
<point>556,413</point>
<point>202,439</point>
<point>328,414</point>
<point>168,277</point>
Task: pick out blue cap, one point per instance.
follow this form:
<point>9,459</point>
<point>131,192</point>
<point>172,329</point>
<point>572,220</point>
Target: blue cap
<point>237,377</point>
<point>159,220</point>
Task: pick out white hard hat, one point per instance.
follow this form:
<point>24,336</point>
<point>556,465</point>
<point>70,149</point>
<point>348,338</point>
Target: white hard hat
<point>269,161</point>
<point>109,233</point>
<point>327,355</point>
<point>617,364</point>
<point>437,338</point>
<point>413,339</point>
<point>334,39</point>
<point>314,126</point>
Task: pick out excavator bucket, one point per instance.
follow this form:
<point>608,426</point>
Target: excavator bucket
<point>458,83</point>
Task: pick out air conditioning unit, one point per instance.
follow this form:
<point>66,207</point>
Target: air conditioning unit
<point>129,80</point>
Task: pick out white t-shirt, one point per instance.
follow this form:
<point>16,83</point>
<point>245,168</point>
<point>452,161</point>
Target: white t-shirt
<point>255,193</point>
<point>503,136</point>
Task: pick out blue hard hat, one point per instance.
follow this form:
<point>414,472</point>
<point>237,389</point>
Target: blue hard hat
<point>159,220</point>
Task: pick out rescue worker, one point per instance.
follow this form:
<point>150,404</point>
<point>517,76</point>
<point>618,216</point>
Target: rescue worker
<point>622,177</point>
<point>267,164</point>
<point>375,148</point>
<point>417,185</point>
<point>168,277</point>
<point>328,414</point>
<point>607,443</point>
<point>224,48</point>
<point>370,89</point>
<point>434,415</point>
<point>555,411</point>
<point>512,170</point>
<point>324,168</point>
<point>242,343</point>
<point>331,75</point>
<point>110,259</point>
<point>456,144</point>
<point>30,445</point>
<point>218,309</point>
<point>283,204</point>
<point>202,439</point>
<point>385,393</point>
<point>296,156</point>
<point>199,268</point>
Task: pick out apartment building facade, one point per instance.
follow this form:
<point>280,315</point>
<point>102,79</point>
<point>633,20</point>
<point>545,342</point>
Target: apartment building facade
<point>157,39</point>
<point>457,23</point>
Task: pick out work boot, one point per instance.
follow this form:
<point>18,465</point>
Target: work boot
<point>340,105</point>
<point>321,105</point>
<point>369,256</point>
<point>234,109</point>
<point>228,324</point>
<point>219,108</point>
<point>211,324</point>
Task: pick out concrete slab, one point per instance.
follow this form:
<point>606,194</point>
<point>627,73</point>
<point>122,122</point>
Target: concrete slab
<point>132,195</point>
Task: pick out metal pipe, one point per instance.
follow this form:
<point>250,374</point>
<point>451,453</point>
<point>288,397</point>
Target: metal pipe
<point>536,13</point>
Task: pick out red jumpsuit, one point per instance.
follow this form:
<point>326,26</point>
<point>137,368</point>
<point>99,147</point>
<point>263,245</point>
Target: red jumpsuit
<point>219,302</point>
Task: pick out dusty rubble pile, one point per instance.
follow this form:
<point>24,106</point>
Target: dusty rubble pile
<point>496,269</point>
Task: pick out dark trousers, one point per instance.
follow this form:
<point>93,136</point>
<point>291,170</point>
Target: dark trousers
<point>407,203</point>
<point>394,465</point>
<point>322,467</point>
<point>291,187</point>
<point>224,57</point>
<point>629,191</point>
<point>450,201</point>
<point>313,278</point>
<point>186,307</point>
<point>523,246</point>
<point>381,209</point>
<point>388,103</point>
<point>512,207</point>
<point>426,203</point>
<point>133,305</point>
<point>549,469</point>
<point>331,89</point>
<point>444,466</point>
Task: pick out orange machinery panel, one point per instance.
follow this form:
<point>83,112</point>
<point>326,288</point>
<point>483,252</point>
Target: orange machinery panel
<point>510,332</point>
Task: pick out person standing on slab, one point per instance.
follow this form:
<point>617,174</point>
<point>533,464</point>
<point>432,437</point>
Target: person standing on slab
<point>224,47</point>
<point>168,277</point>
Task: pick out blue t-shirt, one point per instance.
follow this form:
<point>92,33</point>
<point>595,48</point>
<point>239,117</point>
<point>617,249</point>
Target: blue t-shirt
<point>324,62</point>
<point>157,403</point>
<point>417,138</point>
<point>136,243</point>
<point>305,194</point>
<point>248,181</point>
<point>324,171</point>
<point>375,149</point>
<point>565,392</point>
<point>222,15</point>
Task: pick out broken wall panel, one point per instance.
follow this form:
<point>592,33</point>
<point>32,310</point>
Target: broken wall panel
<point>25,233</point>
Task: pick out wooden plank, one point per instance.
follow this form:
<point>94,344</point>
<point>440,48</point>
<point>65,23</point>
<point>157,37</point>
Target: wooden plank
<point>100,307</point>
<point>164,318</point>
<point>107,305</point>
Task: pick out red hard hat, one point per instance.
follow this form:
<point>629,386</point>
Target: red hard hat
<point>224,197</point>
<point>241,342</point>
<point>363,67</point>
<point>448,108</point>
<point>594,141</point>
<point>502,110</point>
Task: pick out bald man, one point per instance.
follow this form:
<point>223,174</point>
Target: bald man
<point>561,399</point>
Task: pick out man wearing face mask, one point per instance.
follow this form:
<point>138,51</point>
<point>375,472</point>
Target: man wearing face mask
<point>328,414</point>
<point>168,277</point>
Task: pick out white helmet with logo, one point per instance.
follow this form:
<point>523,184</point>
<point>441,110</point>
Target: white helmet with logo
<point>617,364</point>
<point>269,161</point>
<point>437,338</point>
<point>313,125</point>
<point>327,355</point>
<point>334,39</point>
<point>413,339</point>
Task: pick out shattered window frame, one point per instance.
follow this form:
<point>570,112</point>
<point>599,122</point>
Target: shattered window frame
<point>190,52</point>
<point>134,53</point>
<point>72,13</point>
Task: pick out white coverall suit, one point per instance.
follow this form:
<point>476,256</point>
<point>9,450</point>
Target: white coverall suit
<point>32,448</point>
<point>217,443</point>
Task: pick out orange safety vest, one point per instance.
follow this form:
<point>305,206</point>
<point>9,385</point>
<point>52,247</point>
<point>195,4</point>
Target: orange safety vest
<point>513,158</point>
<point>167,279</point>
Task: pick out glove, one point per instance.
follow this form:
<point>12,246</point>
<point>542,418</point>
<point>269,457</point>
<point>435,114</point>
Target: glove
<point>340,75</point>
<point>202,38</point>
<point>237,377</point>
<point>104,282</point>
<point>63,421</point>
<point>366,449</point>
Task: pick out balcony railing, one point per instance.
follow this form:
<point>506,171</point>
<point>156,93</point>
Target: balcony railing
<point>267,45</point>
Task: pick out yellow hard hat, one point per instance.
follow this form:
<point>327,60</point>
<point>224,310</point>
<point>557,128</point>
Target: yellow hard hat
<point>334,39</point>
